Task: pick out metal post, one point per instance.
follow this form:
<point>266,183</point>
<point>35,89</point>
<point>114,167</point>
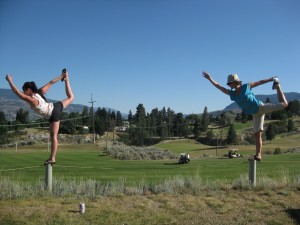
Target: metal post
<point>48,177</point>
<point>94,134</point>
<point>252,172</point>
<point>217,146</point>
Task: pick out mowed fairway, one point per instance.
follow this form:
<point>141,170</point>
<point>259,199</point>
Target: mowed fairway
<point>88,162</point>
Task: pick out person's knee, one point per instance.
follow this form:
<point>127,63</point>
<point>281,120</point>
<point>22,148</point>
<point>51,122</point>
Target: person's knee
<point>258,134</point>
<point>71,98</point>
<point>53,136</point>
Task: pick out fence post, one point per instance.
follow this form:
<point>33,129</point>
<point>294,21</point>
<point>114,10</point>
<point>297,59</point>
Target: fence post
<point>48,177</point>
<point>252,172</point>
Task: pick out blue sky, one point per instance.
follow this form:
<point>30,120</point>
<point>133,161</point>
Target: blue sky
<point>127,52</point>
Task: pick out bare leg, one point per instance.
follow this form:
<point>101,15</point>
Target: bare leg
<point>258,141</point>
<point>54,127</point>
<point>280,95</point>
<point>69,92</point>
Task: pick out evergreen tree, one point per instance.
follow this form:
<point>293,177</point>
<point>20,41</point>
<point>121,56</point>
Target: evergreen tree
<point>279,115</point>
<point>268,115</point>
<point>210,136</point>
<point>119,121</point>
<point>244,117</point>
<point>170,117</point>
<point>101,121</point>
<point>22,116</point>
<point>162,126</point>
<point>204,120</point>
<point>85,116</point>
<point>113,115</point>
<point>291,125</point>
<point>270,132</point>
<point>153,122</point>
<point>293,108</point>
<point>179,126</point>
<point>140,116</point>
<point>130,117</point>
<point>100,126</point>
<point>231,136</point>
<point>196,127</point>
<point>3,121</point>
<point>137,135</point>
<point>226,118</point>
<point>164,114</point>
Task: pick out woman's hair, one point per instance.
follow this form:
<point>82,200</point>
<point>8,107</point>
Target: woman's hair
<point>239,82</point>
<point>32,86</point>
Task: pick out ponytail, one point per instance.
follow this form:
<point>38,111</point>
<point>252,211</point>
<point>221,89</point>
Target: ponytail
<point>32,86</point>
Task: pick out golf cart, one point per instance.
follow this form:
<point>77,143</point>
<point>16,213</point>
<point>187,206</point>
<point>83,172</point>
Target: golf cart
<point>184,158</point>
<point>233,154</point>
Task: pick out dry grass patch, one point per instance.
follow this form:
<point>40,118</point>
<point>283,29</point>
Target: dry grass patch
<point>220,207</point>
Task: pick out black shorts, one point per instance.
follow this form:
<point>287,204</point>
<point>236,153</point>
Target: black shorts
<point>56,113</point>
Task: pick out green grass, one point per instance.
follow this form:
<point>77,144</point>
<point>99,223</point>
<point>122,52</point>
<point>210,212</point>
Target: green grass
<point>87,161</point>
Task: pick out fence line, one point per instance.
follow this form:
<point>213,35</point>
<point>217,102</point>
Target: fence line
<point>75,167</point>
<point>30,167</point>
<point>36,123</point>
<point>22,168</point>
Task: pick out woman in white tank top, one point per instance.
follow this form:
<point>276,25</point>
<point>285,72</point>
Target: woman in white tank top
<point>52,111</point>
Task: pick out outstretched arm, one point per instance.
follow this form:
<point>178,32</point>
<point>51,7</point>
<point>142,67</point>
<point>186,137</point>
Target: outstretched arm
<point>257,83</point>
<point>221,88</point>
<point>46,87</point>
<point>20,94</point>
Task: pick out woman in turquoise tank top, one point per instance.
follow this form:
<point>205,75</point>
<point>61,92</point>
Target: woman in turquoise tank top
<point>246,100</point>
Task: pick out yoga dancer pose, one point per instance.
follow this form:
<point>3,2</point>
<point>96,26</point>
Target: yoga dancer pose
<point>51,111</point>
<point>243,96</point>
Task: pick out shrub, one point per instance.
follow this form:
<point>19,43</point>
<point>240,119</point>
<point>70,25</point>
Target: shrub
<point>277,151</point>
<point>124,152</point>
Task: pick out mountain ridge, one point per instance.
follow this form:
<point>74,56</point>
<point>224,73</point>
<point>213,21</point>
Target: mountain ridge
<point>10,104</point>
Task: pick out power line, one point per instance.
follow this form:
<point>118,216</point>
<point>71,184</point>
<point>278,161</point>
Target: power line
<point>37,123</point>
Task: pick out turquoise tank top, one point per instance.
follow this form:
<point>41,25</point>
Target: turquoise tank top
<point>246,100</point>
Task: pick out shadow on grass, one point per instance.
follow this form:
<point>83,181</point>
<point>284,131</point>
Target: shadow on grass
<point>294,214</point>
<point>74,211</point>
<point>172,164</point>
<point>208,148</point>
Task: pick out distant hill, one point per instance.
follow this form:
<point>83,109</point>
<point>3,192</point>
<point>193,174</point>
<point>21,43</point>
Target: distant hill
<point>10,104</point>
<point>291,96</point>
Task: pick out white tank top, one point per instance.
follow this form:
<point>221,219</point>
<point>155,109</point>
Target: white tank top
<point>43,108</point>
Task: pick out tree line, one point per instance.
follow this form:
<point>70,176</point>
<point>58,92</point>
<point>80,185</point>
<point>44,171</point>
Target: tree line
<point>158,124</point>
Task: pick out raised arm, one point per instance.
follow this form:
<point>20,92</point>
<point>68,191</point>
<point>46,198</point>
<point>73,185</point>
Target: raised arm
<point>257,83</point>
<point>46,87</point>
<point>20,94</point>
<point>221,88</point>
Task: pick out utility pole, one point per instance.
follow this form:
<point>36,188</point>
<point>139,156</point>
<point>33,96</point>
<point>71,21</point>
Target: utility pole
<point>93,115</point>
<point>217,145</point>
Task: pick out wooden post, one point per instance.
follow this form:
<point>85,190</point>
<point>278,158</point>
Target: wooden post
<point>252,172</point>
<point>48,177</point>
